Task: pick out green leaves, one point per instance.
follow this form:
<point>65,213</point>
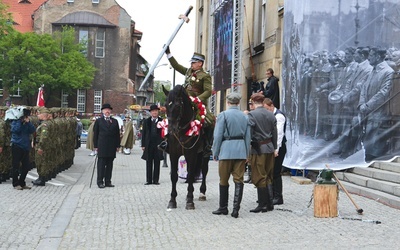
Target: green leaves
<point>33,60</point>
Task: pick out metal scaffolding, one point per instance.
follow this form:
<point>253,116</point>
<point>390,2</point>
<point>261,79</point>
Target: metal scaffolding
<point>237,42</point>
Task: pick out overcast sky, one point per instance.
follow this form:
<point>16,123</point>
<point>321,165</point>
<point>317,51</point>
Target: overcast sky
<point>158,19</point>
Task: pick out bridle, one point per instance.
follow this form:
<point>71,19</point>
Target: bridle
<point>176,132</point>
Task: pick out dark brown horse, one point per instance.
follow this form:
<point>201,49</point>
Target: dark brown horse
<point>181,113</point>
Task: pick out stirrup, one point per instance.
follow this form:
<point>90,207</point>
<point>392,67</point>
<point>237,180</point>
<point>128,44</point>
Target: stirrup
<point>163,146</point>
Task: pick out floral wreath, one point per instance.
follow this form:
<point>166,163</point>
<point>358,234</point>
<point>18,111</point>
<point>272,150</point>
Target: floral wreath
<point>195,125</point>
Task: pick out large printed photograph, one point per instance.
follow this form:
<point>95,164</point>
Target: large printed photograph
<point>223,24</point>
<point>341,82</point>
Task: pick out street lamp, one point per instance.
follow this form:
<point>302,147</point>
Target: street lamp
<point>173,76</point>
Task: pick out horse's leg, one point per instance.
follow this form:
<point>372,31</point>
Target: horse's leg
<point>191,164</point>
<point>174,179</point>
<point>204,172</point>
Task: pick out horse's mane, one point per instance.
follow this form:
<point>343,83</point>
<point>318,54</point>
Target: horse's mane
<point>179,107</point>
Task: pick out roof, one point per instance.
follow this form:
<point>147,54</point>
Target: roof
<point>22,12</point>
<point>84,18</point>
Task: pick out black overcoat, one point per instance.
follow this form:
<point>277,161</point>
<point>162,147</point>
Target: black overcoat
<point>146,138</point>
<point>106,137</point>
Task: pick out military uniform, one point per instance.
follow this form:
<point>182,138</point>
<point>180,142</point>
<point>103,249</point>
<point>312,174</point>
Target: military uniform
<point>198,84</point>
<point>42,150</point>
<point>5,140</point>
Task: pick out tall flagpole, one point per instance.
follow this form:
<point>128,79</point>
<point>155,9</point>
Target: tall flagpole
<point>154,65</point>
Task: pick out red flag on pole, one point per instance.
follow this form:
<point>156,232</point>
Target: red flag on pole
<point>40,99</point>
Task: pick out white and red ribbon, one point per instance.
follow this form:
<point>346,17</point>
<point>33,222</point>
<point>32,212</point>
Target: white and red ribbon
<point>164,127</point>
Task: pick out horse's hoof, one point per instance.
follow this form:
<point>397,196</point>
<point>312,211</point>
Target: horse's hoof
<point>171,204</point>
<point>190,206</point>
<point>202,197</point>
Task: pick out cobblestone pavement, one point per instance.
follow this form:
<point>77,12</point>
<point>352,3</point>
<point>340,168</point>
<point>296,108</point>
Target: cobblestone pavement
<point>67,214</point>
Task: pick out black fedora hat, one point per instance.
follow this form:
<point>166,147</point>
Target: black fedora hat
<point>154,107</point>
<point>106,106</point>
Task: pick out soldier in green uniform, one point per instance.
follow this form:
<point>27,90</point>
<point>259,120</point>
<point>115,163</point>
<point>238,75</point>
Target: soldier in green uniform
<point>5,149</point>
<point>42,147</point>
<point>35,121</point>
<point>197,84</point>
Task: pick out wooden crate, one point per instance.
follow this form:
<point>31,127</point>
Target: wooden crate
<point>325,200</point>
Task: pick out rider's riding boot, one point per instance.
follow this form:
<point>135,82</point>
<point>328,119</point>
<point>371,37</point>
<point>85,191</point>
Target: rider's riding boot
<point>223,201</point>
<point>163,146</point>
<point>207,151</point>
<point>237,199</point>
<point>208,132</point>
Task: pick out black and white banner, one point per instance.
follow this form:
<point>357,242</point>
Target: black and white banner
<point>341,82</point>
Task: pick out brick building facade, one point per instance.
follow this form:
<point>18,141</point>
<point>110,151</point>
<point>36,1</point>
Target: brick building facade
<point>112,47</point>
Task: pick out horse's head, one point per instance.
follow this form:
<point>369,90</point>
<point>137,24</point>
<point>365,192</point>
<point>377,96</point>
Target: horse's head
<point>179,108</point>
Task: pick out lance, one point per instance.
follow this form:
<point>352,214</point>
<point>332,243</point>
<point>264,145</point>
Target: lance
<point>184,18</point>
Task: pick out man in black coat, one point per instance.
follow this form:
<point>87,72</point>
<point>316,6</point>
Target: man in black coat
<point>271,89</point>
<point>151,137</point>
<point>106,142</point>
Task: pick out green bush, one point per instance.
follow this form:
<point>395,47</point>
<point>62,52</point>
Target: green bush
<point>86,123</point>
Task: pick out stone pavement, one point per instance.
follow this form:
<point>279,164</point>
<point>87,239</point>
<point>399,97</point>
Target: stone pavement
<point>67,214</point>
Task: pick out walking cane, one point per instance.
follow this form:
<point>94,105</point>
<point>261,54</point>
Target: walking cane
<point>154,65</point>
<point>94,166</point>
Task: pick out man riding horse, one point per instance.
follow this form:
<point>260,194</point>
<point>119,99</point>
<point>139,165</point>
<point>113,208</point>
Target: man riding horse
<point>197,84</point>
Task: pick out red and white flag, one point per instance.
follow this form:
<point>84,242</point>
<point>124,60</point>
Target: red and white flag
<point>40,99</point>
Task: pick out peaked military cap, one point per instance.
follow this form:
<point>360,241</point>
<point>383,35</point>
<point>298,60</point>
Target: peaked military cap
<point>197,57</point>
<point>233,98</point>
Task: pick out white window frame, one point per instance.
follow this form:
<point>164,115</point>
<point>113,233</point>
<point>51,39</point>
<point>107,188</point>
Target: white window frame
<point>18,91</point>
<point>263,21</point>
<point>95,1</point>
<point>97,101</point>
<point>64,99</point>
<point>70,1</point>
<point>100,44</point>
<point>260,21</point>
<point>81,100</point>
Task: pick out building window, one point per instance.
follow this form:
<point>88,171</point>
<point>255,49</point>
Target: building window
<point>83,39</point>
<point>1,87</point>
<point>98,99</point>
<point>81,100</point>
<point>100,43</point>
<point>70,1</point>
<point>260,19</point>
<point>64,99</point>
<point>95,1</point>
<point>263,20</point>
<point>16,91</point>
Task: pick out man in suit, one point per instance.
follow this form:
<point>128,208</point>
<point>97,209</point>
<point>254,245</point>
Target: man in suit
<point>151,138</point>
<point>264,143</point>
<point>231,148</point>
<point>106,141</point>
